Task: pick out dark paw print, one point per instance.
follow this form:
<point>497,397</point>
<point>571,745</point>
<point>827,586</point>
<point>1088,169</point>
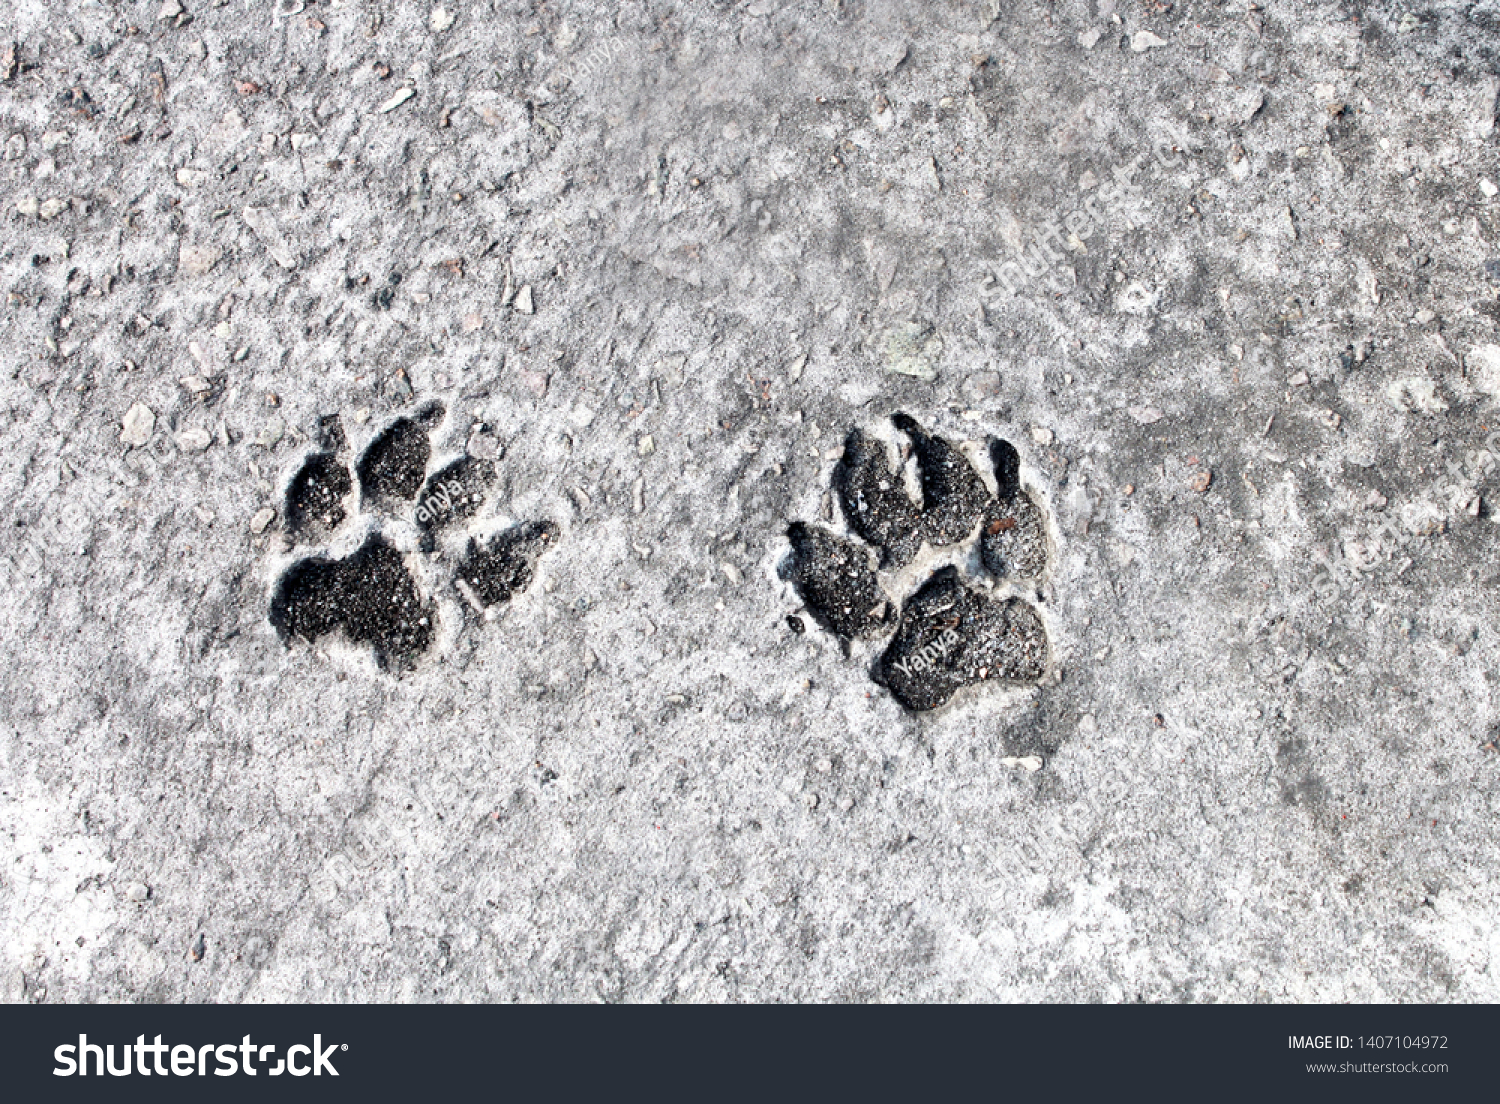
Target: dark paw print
<point>371,596</point>
<point>949,634</point>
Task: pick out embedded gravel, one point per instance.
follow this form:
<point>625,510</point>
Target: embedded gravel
<point>1224,274</point>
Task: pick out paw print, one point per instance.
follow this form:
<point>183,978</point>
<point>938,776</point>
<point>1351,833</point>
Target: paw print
<point>402,513</point>
<point>952,631</point>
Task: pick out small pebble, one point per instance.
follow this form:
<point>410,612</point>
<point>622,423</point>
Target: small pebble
<point>483,447</point>
<point>196,439</point>
<point>198,260</point>
<point>137,426</point>
<point>262,518</point>
<point>401,96</point>
<point>1029,763</point>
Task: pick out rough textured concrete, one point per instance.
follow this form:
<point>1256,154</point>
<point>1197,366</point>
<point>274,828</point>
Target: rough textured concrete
<point>656,261</point>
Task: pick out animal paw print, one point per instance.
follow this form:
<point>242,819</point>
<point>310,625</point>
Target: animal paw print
<point>371,596</point>
<point>952,632</point>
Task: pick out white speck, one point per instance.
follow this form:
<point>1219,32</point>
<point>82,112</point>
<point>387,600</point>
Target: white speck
<point>524,302</point>
<point>401,96</point>
<point>1025,763</point>
<point>1487,186</point>
<point>440,20</point>
<point>470,595</point>
<point>1142,41</point>
<point>261,519</point>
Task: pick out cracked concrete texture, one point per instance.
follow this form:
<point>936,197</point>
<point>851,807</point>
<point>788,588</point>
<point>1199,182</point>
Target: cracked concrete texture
<point>659,260</point>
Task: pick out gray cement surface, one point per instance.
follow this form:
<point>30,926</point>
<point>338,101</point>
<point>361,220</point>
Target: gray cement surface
<point>1225,275</point>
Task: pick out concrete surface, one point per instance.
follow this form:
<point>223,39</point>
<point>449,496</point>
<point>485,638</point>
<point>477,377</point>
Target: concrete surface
<point>656,261</point>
